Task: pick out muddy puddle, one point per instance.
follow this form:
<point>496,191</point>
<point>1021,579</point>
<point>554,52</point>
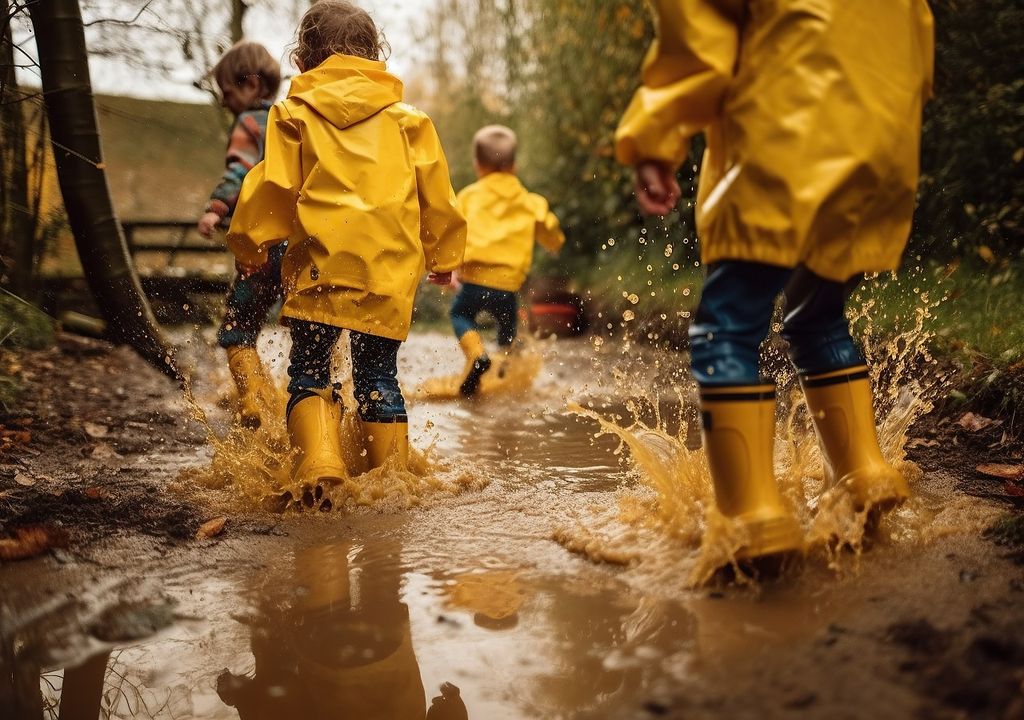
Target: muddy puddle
<point>527,571</point>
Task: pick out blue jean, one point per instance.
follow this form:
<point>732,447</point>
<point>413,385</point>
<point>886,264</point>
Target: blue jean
<point>735,313</point>
<point>474,299</point>
<point>250,300</point>
<point>374,369</point>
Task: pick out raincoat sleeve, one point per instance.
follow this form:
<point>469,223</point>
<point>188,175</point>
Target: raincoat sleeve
<point>685,75</point>
<point>265,213</point>
<point>442,224</point>
<point>548,232</point>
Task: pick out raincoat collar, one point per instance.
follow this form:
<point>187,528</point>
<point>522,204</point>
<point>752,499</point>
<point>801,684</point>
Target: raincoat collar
<point>346,89</point>
<point>502,183</point>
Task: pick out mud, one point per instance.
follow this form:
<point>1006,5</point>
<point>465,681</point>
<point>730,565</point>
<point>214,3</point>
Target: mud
<point>371,611</point>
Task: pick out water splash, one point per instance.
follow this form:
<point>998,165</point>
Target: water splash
<point>251,469</point>
<point>510,374</point>
<point>674,505</point>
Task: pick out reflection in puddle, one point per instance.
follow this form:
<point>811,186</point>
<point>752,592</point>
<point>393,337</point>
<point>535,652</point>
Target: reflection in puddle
<point>331,637</point>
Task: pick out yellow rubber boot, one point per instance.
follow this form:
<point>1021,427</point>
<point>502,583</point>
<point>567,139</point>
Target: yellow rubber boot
<point>383,440</point>
<point>840,406</point>
<point>313,427</point>
<point>739,436</point>
<point>253,383</point>
<point>477,362</point>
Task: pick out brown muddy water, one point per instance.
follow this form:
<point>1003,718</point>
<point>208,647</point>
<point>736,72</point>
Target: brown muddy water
<point>548,558</point>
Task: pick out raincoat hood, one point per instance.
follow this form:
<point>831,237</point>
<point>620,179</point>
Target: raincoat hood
<point>503,184</point>
<point>346,90</point>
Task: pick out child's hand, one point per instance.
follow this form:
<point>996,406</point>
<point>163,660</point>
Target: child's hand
<point>207,223</point>
<point>657,191</point>
<point>443,279</point>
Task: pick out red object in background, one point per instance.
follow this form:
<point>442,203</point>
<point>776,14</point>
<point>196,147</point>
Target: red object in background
<point>558,313</point>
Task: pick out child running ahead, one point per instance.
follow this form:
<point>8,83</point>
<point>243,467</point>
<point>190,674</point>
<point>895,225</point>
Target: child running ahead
<point>357,183</point>
<point>248,79</point>
<point>505,220</point>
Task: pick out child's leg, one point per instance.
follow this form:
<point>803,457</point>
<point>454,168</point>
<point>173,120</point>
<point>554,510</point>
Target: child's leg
<point>738,407</point>
<point>470,300</point>
<point>504,306</point>
<point>381,405</point>
<point>248,303</point>
<point>835,380</point>
<point>314,415</point>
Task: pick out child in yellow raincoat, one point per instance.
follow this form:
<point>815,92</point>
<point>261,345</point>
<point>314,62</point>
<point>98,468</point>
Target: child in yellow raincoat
<point>812,113</point>
<point>357,183</point>
<point>505,220</point>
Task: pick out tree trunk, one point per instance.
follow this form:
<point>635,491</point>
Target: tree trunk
<point>63,63</point>
<point>238,8</point>
<point>16,225</point>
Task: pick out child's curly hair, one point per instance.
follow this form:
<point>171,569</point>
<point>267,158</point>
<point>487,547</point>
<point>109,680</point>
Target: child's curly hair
<point>337,27</point>
<point>248,59</point>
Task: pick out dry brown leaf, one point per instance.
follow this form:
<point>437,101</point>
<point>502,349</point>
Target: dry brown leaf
<point>974,423</point>
<point>1001,470</point>
<point>211,528</point>
<point>28,542</point>
<point>24,479</point>
<point>103,451</point>
<point>922,442</point>
<point>94,493</point>
<point>95,430</point>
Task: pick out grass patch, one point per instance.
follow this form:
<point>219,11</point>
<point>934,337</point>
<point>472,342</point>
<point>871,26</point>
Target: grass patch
<point>22,327</point>
<point>1007,531</point>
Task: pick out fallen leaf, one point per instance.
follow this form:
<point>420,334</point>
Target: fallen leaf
<point>210,528</point>
<point>1001,470</point>
<point>95,430</point>
<point>103,451</point>
<point>974,423</point>
<point>24,479</point>
<point>94,493</point>
<point>1012,488</point>
<point>922,442</point>
<point>28,542</point>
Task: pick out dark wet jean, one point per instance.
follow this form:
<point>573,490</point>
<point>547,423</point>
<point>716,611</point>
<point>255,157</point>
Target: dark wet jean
<point>374,369</point>
<point>249,302</point>
<point>735,313</point>
<point>474,299</point>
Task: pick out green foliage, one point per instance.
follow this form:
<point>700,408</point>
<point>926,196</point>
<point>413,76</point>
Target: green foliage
<point>22,325</point>
<point>972,184</point>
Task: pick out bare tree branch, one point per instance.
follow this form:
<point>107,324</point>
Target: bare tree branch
<point>117,21</point>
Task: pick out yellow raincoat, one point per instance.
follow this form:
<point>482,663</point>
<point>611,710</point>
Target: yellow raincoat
<point>358,184</point>
<point>504,222</point>
<point>812,113</point>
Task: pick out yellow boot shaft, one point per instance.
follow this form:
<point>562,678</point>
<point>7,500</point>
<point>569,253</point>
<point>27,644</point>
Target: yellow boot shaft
<point>477,362</point>
<point>739,440</point>
<point>384,441</point>
<point>841,408</point>
<point>255,389</point>
<point>313,427</point>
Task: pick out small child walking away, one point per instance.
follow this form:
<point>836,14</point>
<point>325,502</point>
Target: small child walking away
<point>505,220</point>
<point>358,184</point>
<point>248,79</point>
<point>812,114</point>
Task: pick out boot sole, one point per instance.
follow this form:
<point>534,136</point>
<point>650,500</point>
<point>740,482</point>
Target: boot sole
<point>772,536</point>
<point>471,384</point>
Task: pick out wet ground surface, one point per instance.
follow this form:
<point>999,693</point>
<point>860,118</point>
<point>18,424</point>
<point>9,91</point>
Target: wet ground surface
<point>534,587</point>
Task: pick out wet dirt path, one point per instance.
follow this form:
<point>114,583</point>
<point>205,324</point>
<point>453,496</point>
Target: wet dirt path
<point>367,613</point>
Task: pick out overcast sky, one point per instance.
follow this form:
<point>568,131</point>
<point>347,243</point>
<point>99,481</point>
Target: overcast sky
<point>273,28</point>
